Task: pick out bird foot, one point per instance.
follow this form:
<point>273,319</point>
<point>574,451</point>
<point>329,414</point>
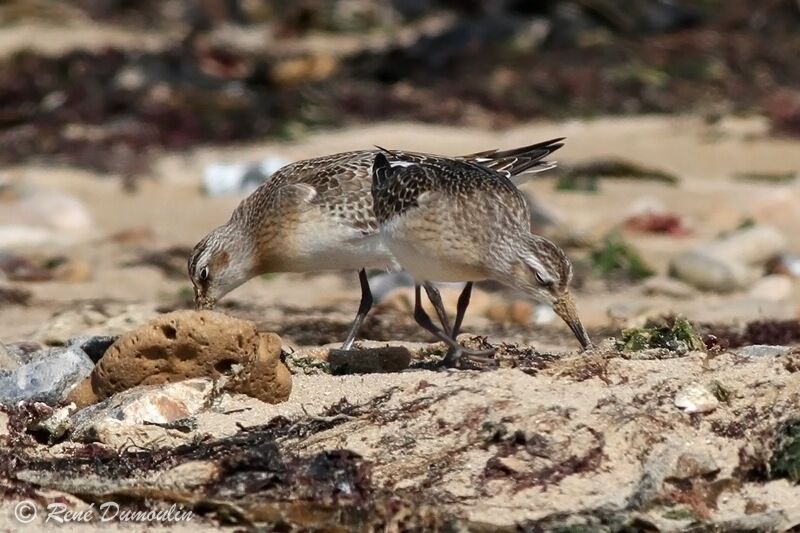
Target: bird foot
<point>467,359</point>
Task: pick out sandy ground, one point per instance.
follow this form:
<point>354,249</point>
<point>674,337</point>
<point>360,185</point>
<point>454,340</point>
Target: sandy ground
<point>448,458</point>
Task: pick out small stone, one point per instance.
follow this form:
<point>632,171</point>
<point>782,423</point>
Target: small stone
<point>48,377</point>
<point>707,272</point>
<point>520,312</point>
<point>672,288</point>
<point>369,361</point>
<point>497,312</point>
<point>133,417</point>
<point>512,464</point>
<point>73,271</point>
<point>753,246</point>
<point>732,262</point>
<point>694,464</point>
<point>57,424</point>
<point>696,399</point>
<point>763,350</point>
<point>773,288</point>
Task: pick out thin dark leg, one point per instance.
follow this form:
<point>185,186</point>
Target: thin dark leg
<point>363,309</point>
<point>461,308</point>
<point>424,320</point>
<point>450,358</point>
<point>436,299</point>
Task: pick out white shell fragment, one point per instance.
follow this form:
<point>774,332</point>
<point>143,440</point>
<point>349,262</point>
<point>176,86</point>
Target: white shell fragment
<point>696,399</point>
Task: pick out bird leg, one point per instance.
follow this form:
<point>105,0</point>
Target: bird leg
<point>424,320</point>
<point>461,309</point>
<point>436,299</point>
<point>363,309</point>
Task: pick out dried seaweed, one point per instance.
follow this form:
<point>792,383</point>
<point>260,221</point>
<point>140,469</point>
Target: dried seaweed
<point>768,331</point>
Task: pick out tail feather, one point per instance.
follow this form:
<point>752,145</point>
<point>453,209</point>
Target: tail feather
<point>381,169</point>
<point>518,160</point>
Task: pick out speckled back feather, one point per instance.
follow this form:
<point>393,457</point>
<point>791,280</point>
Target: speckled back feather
<point>341,183</point>
<point>397,189</point>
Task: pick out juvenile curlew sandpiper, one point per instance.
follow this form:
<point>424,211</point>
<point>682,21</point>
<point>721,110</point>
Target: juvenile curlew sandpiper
<point>317,215</point>
<point>454,220</point>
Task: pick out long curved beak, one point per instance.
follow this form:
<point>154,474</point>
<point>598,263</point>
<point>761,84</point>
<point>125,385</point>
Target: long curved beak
<point>565,308</point>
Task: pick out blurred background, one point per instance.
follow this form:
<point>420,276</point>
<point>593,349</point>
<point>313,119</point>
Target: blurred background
<point>130,129</point>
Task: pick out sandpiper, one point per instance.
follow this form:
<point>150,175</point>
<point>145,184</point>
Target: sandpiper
<point>454,220</point>
<point>317,215</point>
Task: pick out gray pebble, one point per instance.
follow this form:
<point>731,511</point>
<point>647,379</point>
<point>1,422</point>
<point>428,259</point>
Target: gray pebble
<point>47,378</point>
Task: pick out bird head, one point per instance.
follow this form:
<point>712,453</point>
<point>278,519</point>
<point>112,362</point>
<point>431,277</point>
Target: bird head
<point>543,270</point>
<point>219,263</point>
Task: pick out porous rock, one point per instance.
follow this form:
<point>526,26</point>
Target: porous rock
<point>191,344</point>
<point>263,375</point>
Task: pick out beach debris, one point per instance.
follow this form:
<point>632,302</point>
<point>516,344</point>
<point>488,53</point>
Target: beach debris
<point>660,223</point>
<point>785,461</point>
<point>673,333</point>
<point>612,167</point>
<point>221,179</point>
<point>370,360</point>
<point>757,332</point>
<point>766,177</point>
<point>615,259</point>
<point>11,295</point>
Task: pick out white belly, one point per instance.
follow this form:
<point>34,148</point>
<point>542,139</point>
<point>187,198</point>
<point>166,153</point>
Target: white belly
<point>424,266</point>
<point>318,251</point>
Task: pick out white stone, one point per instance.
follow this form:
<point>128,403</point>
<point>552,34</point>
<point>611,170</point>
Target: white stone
<point>670,287</point>
<point>696,399</point>
<point>763,350</point>
<point>133,416</point>
<point>773,288</point>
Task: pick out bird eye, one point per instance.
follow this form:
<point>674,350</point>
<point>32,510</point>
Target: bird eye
<point>203,275</point>
<point>541,279</point>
